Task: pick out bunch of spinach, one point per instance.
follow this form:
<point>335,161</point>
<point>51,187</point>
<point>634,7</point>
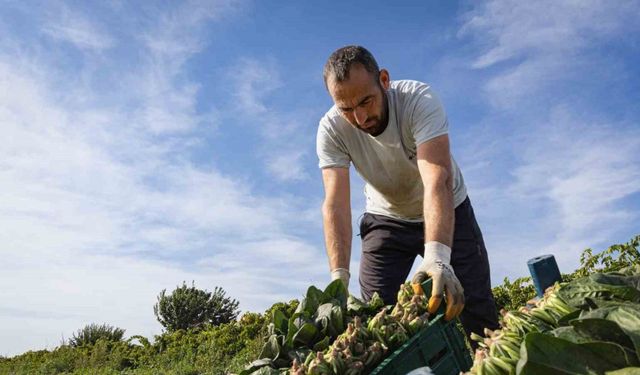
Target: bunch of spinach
<point>318,320</point>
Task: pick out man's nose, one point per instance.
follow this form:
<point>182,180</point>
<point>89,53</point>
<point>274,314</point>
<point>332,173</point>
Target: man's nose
<point>360,115</point>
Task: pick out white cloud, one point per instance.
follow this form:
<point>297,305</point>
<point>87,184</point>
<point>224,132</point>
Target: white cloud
<point>567,193</point>
<point>549,173</point>
<point>71,26</point>
<point>102,207</point>
<point>253,82</point>
<point>172,33</point>
<point>542,42</point>
<point>585,169</point>
<point>512,28</point>
<point>288,166</point>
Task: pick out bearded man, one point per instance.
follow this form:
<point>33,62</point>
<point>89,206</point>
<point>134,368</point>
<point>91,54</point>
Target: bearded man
<point>396,135</point>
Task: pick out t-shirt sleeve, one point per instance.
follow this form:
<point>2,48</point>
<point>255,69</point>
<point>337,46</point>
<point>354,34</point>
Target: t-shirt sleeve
<point>428,118</point>
<point>331,151</point>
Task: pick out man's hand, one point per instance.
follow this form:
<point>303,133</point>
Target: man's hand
<point>436,264</point>
<point>342,274</point>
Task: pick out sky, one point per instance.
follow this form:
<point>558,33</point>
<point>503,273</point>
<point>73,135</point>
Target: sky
<point>147,144</point>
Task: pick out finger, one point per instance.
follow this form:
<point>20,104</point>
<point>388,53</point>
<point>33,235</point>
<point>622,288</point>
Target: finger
<point>460,309</point>
<point>419,277</point>
<point>460,299</point>
<point>437,291</point>
<point>434,303</point>
<point>417,288</point>
<point>457,309</point>
<point>452,306</point>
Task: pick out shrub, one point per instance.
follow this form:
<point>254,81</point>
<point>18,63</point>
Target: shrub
<point>191,308</point>
<point>91,333</point>
<point>513,294</point>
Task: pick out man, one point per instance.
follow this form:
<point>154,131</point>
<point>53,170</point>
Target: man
<point>395,134</point>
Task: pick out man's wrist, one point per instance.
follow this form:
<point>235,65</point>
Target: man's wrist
<point>340,273</point>
<point>435,251</point>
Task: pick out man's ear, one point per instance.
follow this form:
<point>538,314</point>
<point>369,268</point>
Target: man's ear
<point>384,79</point>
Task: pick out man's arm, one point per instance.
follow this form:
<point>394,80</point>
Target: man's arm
<point>336,215</point>
<point>434,164</point>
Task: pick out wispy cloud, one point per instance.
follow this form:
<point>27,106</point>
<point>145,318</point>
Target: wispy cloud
<point>283,141</point>
<point>558,178</point>
<point>537,44</point>
<point>288,166</point>
<point>71,26</point>
<point>254,80</point>
<point>511,29</point>
<point>102,206</point>
<point>585,182</point>
<point>174,32</point>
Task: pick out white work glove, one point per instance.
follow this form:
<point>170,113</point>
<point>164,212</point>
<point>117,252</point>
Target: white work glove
<point>342,274</point>
<point>436,264</point>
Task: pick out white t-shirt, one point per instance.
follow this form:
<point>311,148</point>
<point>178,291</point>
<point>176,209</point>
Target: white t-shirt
<point>387,163</point>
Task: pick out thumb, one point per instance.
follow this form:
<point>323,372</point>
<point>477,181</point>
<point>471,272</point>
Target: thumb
<point>419,277</point>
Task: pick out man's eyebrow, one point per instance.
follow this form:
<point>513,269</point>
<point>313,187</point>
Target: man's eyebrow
<point>360,102</point>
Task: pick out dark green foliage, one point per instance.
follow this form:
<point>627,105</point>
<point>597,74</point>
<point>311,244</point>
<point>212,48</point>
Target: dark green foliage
<point>213,350</point>
<point>546,354</point>
<point>91,333</point>
<point>230,347</point>
<point>191,308</point>
<point>513,294</point>
<point>318,320</point>
<point>612,259</point>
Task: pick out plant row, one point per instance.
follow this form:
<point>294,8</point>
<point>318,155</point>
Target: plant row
<point>333,333</point>
<point>590,325</point>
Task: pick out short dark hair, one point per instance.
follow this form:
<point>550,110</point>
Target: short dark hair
<point>340,62</point>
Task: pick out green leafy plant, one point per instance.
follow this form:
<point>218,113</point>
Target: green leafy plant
<point>599,309</point>
<point>613,259</point>
<point>90,334</point>
<point>587,324</point>
<point>513,294</point>
<point>192,308</point>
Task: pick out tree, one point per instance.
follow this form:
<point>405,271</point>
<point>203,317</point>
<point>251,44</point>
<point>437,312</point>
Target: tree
<point>190,307</point>
<point>91,333</point>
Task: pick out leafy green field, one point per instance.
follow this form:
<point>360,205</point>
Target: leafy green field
<point>228,348</point>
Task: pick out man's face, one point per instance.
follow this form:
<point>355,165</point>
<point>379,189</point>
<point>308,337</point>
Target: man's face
<point>362,100</point>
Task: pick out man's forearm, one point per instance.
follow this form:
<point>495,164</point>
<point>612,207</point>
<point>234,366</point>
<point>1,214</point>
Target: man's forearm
<point>337,235</point>
<point>439,214</point>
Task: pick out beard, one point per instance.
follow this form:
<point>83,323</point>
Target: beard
<point>376,125</point>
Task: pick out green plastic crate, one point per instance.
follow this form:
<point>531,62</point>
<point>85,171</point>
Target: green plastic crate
<point>440,345</point>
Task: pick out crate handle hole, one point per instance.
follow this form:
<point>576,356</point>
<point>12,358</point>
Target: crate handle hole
<point>434,360</point>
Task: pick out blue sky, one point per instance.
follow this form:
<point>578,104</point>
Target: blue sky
<point>148,144</point>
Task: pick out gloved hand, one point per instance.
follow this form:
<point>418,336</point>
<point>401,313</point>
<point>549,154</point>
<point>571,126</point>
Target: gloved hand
<point>436,264</point>
<point>342,274</point>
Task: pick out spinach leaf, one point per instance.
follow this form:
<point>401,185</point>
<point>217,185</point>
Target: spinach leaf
<point>305,335</point>
<point>256,366</point>
<point>625,371</point>
<point>336,290</point>
<point>271,348</point>
<point>314,298</point>
<point>545,354</point>
<point>627,317</point>
<point>280,322</point>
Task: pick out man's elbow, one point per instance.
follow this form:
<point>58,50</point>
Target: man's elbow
<point>330,208</point>
<point>326,209</point>
<point>333,209</point>
<point>442,181</point>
